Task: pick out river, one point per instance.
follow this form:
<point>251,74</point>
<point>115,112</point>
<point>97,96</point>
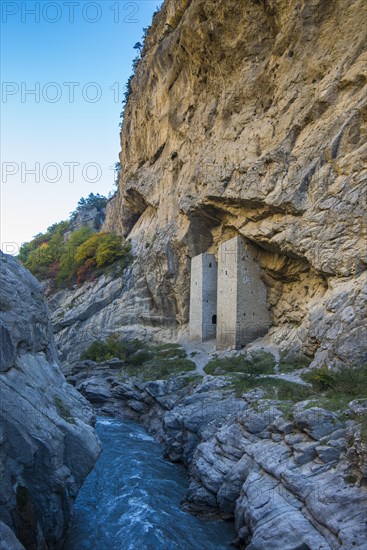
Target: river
<point>131,499</point>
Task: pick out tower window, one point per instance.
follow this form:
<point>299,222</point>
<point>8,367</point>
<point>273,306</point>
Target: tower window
<point>210,265</point>
<point>214,320</point>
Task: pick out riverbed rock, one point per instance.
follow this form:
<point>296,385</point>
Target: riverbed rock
<point>281,493</point>
<point>316,421</point>
<point>95,390</point>
<point>288,480</point>
<point>47,442</point>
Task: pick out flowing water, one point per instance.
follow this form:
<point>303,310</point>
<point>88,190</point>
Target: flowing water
<point>131,499</point>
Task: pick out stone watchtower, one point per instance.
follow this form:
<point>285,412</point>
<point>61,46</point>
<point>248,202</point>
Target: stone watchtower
<point>242,312</point>
<point>203,297</point>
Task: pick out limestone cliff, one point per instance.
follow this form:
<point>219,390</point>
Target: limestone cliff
<point>245,118</point>
<point>47,443</point>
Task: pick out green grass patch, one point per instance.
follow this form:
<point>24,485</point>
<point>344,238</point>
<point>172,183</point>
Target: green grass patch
<point>332,403</point>
<point>159,368</point>
<point>218,367</point>
<point>336,388</point>
<point>287,409</point>
<point>331,390</point>
<point>113,347</point>
<point>168,350</point>
<point>142,360</point>
<point>293,364</point>
<point>344,383</point>
<point>260,363</point>
<point>275,388</point>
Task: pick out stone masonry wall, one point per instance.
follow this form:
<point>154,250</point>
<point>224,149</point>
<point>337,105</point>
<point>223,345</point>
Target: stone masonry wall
<point>243,315</point>
<point>203,297</point>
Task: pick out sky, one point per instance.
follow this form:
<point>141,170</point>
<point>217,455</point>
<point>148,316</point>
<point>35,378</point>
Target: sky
<point>64,65</point>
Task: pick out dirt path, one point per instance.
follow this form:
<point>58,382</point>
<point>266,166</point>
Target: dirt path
<point>200,353</point>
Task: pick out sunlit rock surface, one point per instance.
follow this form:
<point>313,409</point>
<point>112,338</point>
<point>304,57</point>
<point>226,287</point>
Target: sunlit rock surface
<point>245,118</point>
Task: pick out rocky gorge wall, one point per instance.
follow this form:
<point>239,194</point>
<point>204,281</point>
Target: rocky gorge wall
<point>245,118</point>
<point>47,442</point>
<point>291,478</point>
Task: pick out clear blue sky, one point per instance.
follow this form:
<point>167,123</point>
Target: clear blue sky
<point>90,46</point>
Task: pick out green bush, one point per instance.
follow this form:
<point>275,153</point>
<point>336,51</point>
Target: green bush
<point>321,379</point>
<point>53,238</point>
<point>261,363</point>
<point>284,390</point>
<point>44,250</point>
<point>140,357</point>
<point>83,256</point>
<point>345,381</point>
<point>100,351</point>
<point>103,249</point>
<point>113,248</point>
<point>68,262</point>
<point>92,201</point>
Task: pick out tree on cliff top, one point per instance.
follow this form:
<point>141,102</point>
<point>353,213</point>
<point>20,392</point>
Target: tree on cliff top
<point>66,257</point>
<point>92,201</point>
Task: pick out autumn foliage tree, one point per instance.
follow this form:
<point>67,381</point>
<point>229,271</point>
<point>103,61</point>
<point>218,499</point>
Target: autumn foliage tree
<point>67,257</point>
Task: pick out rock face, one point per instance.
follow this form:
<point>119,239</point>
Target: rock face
<point>291,477</point>
<point>47,442</point>
<point>246,118</point>
<point>8,540</point>
<point>99,308</point>
<point>89,217</point>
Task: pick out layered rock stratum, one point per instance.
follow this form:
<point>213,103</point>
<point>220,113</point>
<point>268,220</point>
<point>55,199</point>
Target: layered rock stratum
<point>47,441</point>
<point>245,118</point>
